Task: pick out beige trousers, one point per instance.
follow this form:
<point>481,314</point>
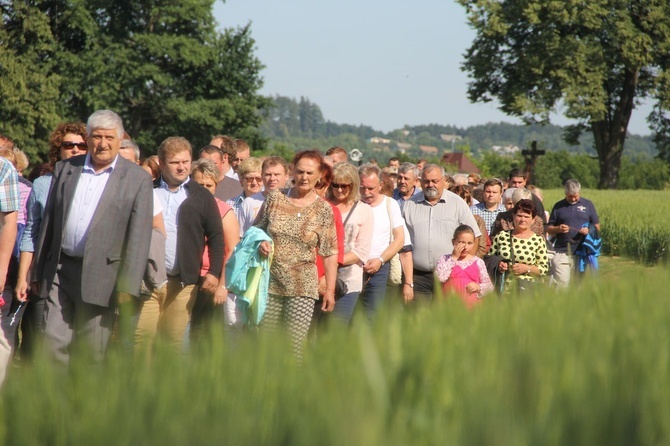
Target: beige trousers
<point>167,312</point>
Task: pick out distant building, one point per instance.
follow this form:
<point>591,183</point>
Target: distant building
<point>462,162</point>
<point>378,140</point>
<point>450,138</point>
<point>403,147</point>
<point>405,132</point>
<point>428,150</point>
<point>506,150</point>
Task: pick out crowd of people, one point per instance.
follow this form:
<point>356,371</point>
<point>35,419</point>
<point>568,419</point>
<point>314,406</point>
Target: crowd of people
<point>98,240</point>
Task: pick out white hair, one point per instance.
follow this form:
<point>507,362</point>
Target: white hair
<point>130,143</point>
<point>105,119</point>
<point>572,187</point>
<point>521,194</point>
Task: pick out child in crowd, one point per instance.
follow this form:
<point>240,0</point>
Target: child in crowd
<point>462,272</point>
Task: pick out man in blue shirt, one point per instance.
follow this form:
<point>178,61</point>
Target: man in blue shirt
<point>566,223</point>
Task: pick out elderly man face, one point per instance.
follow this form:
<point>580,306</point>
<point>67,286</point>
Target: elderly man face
<point>432,183</point>
<point>371,187</point>
<point>103,146</point>
<point>406,182</point>
<point>572,198</point>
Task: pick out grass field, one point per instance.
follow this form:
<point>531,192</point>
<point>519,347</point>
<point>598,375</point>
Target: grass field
<point>587,366</point>
<point>634,223</point>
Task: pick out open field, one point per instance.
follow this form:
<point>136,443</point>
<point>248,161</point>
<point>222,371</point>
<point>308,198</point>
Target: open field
<point>589,366</point>
<point>635,224</point>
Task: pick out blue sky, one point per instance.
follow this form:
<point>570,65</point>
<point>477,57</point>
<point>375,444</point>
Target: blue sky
<point>384,63</point>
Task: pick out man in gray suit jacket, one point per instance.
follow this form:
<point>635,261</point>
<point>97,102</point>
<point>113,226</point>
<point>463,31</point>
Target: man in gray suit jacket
<point>94,239</point>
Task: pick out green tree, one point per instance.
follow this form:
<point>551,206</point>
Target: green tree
<point>596,59</point>
<point>28,96</point>
<point>161,65</point>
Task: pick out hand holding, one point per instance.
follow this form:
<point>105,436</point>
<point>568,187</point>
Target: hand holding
<point>372,266</point>
<point>265,248</point>
<point>209,284</point>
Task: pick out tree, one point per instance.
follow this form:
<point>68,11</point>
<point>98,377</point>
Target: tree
<point>161,65</point>
<point>596,59</point>
<point>28,96</point>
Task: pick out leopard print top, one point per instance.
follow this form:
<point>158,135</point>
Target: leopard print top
<point>296,232</point>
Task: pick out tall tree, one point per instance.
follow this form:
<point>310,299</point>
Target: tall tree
<point>162,65</point>
<point>596,59</point>
<point>28,94</point>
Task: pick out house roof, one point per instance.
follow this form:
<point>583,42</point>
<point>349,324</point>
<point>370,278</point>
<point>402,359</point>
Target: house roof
<point>461,161</point>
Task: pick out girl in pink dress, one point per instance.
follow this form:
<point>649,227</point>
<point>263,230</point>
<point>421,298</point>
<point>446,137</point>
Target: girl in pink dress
<point>462,272</point>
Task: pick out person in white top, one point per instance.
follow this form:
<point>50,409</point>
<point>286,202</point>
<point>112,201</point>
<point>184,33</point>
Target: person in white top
<point>388,237</point>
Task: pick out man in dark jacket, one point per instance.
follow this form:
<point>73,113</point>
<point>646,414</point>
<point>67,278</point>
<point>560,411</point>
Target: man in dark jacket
<point>192,220</point>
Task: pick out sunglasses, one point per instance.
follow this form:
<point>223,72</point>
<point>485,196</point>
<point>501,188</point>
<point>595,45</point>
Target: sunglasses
<point>252,179</point>
<point>340,186</point>
<point>70,145</point>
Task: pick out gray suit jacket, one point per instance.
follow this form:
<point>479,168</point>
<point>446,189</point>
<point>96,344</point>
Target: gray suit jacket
<point>117,244</point>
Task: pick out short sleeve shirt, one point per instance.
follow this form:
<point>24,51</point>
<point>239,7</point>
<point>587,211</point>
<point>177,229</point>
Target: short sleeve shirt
<point>575,216</point>
<point>432,227</point>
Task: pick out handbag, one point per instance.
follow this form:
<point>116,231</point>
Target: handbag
<point>395,269</point>
<point>340,285</point>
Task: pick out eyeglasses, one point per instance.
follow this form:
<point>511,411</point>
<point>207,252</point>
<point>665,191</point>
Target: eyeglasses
<point>69,145</point>
<point>340,186</point>
<point>431,182</point>
<point>252,179</point>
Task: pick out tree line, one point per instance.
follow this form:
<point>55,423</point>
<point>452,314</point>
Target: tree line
<point>163,66</point>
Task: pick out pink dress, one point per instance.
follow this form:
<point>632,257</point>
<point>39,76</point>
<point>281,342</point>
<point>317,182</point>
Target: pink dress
<point>455,276</point>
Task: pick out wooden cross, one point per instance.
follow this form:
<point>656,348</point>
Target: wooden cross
<point>531,158</point>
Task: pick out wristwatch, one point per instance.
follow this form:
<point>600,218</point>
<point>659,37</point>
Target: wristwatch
<point>381,259</point>
<point>411,285</point>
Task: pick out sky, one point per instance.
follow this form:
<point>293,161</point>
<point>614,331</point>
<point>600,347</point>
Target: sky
<point>382,63</point>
